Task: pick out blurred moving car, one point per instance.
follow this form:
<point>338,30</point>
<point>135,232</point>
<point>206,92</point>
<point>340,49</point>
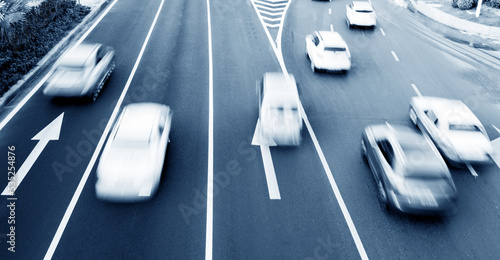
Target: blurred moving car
<point>131,163</point>
<point>328,51</point>
<point>456,131</point>
<point>410,173</point>
<point>360,13</point>
<point>279,113</point>
<point>81,72</point>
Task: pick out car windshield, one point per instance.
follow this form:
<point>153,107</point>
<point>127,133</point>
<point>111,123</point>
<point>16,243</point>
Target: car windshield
<point>464,127</point>
<point>335,49</point>
<point>364,11</point>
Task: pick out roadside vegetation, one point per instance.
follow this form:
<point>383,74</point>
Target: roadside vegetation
<point>469,4</point>
<point>29,31</point>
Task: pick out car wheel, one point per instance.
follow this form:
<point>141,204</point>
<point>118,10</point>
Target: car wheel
<point>413,116</point>
<point>97,91</point>
<point>382,195</point>
<point>313,67</point>
<point>363,147</point>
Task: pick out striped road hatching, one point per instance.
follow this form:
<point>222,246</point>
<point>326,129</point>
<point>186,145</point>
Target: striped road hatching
<point>271,11</point>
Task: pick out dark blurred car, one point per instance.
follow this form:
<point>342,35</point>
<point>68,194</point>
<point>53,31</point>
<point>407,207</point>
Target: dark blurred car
<point>410,173</point>
<point>81,72</point>
<point>132,161</point>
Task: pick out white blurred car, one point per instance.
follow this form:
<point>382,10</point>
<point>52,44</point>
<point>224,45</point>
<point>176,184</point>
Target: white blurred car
<point>279,114</point>
<point>132,161</point>
<point>360,13</point>
<point>328,51</point>
<point>81,72</point>
<point>456,131</point>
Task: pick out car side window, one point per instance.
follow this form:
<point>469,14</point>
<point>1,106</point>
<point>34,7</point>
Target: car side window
<point>430,114</point>
<point>316,40</point>
<point>100,55</point>
<point>387,151</point>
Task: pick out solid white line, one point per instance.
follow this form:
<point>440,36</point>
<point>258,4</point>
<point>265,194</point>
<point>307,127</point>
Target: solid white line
<point>382,31</point>
<point>498,130</point>
<point>336,191</point>
<point>329,10</point>
<point>272,182</point>
<point>210,173</point>
<point>79,189</point>
<point>472,171</point>
<point>416,89</point>
<point>394,55</point>
<point>331,27</point>
<point>39,85</point>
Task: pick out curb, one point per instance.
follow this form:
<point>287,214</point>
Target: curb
<point>52,55</point>
<point>449,20</point>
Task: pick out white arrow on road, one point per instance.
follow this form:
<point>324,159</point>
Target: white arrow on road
<point>50,132</point>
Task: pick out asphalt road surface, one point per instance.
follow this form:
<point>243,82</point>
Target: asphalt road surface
<point>204,64</point>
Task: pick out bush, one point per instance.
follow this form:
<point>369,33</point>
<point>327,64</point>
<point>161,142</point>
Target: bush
<point>454,3</point>
<point>465,4</point>
<point>34,36</point>
<point>494,3</point>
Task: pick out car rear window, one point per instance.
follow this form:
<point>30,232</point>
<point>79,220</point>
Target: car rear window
<point>364,11</point>
<point>464,128</point>
<point>335,49</point>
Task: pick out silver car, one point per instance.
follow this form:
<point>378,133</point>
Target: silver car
<point>456,131</point>
<point>410,173</point>
<point>81,72</point>
<point>131,163</point>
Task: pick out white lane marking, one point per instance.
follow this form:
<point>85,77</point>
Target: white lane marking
<point>395,56</point>
<point>331,27</point>
<point>50,132</point>
<point>416,89</point>
<point>382,31</point>
<point>498,130</point>
<point>210,170</point>
<point>329,10</point>
<point>336,191</point>
<point>39,85</point>
<point>272,182</point>
<point>79,189</point>
<point>472,171</point>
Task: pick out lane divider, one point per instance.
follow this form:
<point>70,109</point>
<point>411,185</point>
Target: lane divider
<point>83,181</point>
<point>395,56</point>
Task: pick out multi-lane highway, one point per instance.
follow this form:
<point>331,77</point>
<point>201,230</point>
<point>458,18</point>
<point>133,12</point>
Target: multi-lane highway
<point>203,58</point>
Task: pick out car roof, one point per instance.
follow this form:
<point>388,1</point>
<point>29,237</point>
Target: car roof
<point>137,121</point>
<point>418,151</point>
<point>332,39</point>
<point>362,6</point>
<point>78,55</point>
<point>453,111</point>
<point>279,90</point>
